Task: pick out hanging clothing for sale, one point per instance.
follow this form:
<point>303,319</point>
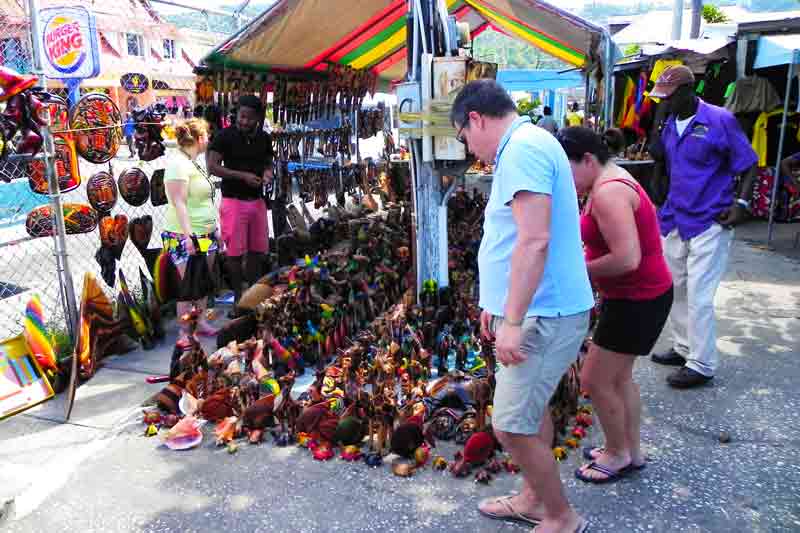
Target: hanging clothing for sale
<point>766,136</point>
<point>753,94</point>
<point>658,68</point>
<point>627,101</point>
<point>787,197</point>
<point>716,79</point>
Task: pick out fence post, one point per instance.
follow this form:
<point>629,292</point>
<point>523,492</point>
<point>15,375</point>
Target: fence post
<point>59,239</point>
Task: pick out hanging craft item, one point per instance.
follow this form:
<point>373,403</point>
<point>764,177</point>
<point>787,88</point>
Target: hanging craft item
<point>102,192</point>
<point>59,113</point>
<point>134,83</point>
<point>158,192</point>
<point>25,112</point>
<point>149,125</point>
<point>97,120</point>
<point>13,83</point>
<point>140,231</point>
<point>78,218</point>
<point>114,233</point>
<point>98,331</point>
<point>66,163</point>
<point>134,187</point>
<point>204,90</point>
<point>302,101</point>
<point>113,236</point>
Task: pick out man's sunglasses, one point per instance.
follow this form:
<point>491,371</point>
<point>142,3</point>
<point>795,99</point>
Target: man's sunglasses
<point>459,137</point>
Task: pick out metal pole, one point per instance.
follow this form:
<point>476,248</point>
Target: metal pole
<point>608,99</point>
<point>59,240</point>
<point>777,177</point>
<point>697,12</point>
<point>677,19</point>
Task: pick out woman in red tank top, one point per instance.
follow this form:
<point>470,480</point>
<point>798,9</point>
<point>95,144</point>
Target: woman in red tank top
<point>626,264</point>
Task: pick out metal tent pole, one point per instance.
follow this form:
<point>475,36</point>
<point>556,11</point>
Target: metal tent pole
<point>777,177</point>
<point>59,239</point>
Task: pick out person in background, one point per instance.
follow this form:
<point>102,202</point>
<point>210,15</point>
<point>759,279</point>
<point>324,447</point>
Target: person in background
<point>705,150</point>
<point>190,212</point>
<point>128,130</point>
<point>242,156</point>
<point>574,117</point>
<point>198,111</point>
<point>534,292</point>
<point>213,116</point>
<point>547,122</point>
<point>619,228</point>
<point>790,168</point>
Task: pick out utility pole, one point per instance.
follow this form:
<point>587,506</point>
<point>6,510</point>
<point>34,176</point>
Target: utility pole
<point>697,12</point>
<point>677,19</point>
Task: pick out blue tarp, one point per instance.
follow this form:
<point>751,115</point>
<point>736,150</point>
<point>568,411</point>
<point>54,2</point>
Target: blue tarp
<point>774,50</point>
<point>539,80</point>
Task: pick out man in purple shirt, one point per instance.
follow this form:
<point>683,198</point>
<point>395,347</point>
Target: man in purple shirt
<point>705,151</point>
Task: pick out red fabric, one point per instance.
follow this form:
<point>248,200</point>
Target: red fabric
<point>653,277</point>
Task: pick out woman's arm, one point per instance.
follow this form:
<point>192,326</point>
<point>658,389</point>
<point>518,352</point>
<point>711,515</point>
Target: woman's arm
<point>613,209</point>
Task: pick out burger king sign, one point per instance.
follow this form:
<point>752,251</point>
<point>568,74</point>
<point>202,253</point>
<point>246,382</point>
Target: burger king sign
<point>69,43</point>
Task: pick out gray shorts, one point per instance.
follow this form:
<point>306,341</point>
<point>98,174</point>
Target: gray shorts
<point>523,391</point>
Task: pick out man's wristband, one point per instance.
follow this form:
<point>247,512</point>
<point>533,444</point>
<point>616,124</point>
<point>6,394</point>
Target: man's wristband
<point>514,324</point>
<point>742,202</point>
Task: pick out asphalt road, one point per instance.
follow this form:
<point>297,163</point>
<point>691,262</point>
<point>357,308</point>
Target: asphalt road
<point>101,474</point>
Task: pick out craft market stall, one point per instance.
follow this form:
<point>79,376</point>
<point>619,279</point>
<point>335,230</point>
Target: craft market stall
<point>774,54</point>
<point>639,117</point>
<point>363,345</point>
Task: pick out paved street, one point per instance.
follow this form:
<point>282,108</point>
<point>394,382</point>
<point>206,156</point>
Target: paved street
<point>99,473</point>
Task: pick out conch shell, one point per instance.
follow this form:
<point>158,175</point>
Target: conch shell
<point>184,435</point>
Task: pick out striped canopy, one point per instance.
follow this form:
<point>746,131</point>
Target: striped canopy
<point>302,35</point>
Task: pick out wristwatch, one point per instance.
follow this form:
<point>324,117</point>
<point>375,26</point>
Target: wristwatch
<point>742,202</point>
<point>514,324</point>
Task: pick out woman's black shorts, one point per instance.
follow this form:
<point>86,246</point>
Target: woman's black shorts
<point>632,326</point>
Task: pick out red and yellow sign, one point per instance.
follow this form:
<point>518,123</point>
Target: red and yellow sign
<point>69,42</point>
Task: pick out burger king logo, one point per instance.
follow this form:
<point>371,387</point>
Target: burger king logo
<point>65,45</point>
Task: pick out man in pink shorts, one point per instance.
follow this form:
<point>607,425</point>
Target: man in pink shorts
<point>242,156</point>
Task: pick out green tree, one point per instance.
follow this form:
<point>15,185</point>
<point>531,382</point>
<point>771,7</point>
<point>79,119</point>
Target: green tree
<point>712,14</point>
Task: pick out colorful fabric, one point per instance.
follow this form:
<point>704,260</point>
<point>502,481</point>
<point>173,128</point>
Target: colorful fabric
<point>759,141</point>
<point>175,245</point>
<point>787,197</point>
<point>627,102</point>
<point>658,68</point>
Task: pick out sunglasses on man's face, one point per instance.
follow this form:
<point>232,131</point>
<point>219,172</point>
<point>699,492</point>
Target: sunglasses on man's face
<point>459,137</point>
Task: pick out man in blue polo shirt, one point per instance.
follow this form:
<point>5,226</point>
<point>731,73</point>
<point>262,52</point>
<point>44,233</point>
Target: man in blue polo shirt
<point>705,150</point>
<point>534,291</point>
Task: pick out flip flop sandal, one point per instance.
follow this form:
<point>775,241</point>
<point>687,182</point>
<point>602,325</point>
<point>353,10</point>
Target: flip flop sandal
<point>583,527</point>
<point>512,515</point>
<point>587,454</point>
<point>612,475</point>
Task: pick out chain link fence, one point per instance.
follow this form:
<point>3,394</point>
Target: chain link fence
<point>28,265</point>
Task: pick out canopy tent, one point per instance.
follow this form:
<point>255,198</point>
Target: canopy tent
<point>775,50</point>
<point>303,35</point>
<point>538,80</point>
<point>772,51</point>
<point>544,82</point>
